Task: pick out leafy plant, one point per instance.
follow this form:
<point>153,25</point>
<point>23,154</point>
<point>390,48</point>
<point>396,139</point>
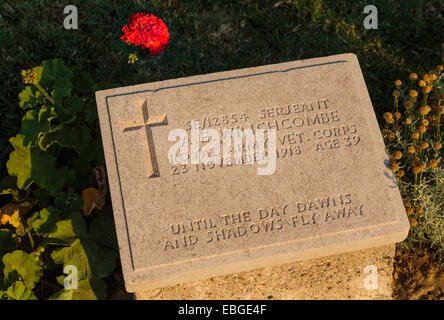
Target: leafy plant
<point>46,225</point>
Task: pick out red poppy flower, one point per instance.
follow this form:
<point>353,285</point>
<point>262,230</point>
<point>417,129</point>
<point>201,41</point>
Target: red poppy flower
<point>147,30</point>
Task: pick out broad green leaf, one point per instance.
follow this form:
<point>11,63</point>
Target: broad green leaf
<point>41,197</point>
<point>77,138</point>
<point>68,230</point>
<point>72,105</point>
<point>82,81</point>
<point>31,127</point>
<point>93,252</point>
<point>75,255</point>
<point>46,114</point>
<point>19,291</point>
<point>29,164</point>
<point>7,241</point>
<point>16,222</point>
<point>68,202</point>
<point>90,112</point>
<point>102,259</point>
<point>62,88</point>
<point>95,153</point>
<point>56,77</point>
<point>20,265</point>
<point>103,231</point>
<point>8,185</point>
<point>53,70</point>
<point>90,289</point>
<point>35,123</point>
<point>60,178</point>
<point>44,221</point>
<point>63,294</point>
<point>83,168</point>
<point>87,289</point>
<point>30,97</point>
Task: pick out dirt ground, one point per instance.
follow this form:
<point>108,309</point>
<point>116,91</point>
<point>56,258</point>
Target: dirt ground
<point>418,276</point>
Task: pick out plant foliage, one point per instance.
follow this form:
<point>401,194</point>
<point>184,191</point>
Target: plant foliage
<point>43,226</point>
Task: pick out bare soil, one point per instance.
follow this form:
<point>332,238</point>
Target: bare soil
<point>418,275</point>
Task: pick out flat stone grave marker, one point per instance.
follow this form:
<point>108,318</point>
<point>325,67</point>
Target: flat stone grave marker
<point>330,190</point>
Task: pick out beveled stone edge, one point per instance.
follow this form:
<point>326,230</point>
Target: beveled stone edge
<point>195,275</point>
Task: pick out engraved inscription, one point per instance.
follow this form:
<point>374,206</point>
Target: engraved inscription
<point>312,126</point>
<point>263,220</point>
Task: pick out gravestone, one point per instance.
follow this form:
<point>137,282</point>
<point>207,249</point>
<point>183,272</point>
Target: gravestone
<point>322,189</point>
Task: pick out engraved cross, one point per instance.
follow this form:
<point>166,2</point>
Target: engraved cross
<point>146,122</point>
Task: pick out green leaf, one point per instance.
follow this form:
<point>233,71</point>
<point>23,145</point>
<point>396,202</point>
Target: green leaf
<point>82,81</point>
<point>62,88</point>
<point>101,259</point>
<point>8,185</point>
<point>56,76</point>
<point>91,111</point>
<point>16,222</point>
<point>73,255</point>
<point>95,153</point>
<point>30,97</point>
<point>44,221</point>
<point>87,289</point>
<point>7,241</point>
<point>20,265</point>
<point>77,138</point>
<point>93,252</point>
<point>60,178</point>
<point>68,230</point>
<point>41,197</point>
<point>72,105</point>
<point>35,123</point>
<point>31,127</point>
<point>90,289</point>
<point>103,231</point>
<point>63,294</point>
<point>19,291</point>
<point>46,114</point>
<point>68,202</point>
<point>83,168</point>
<point>29,164</point>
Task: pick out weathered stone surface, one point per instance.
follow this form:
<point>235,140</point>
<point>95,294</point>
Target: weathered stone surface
<point>331,191</point>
